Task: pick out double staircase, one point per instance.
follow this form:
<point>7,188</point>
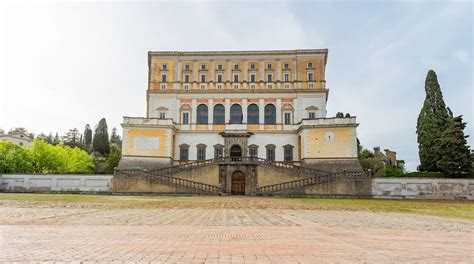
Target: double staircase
<point>308,176</point>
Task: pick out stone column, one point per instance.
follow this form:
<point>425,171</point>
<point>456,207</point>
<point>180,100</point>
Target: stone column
<point>262,70</point>
<point>244,111</point>
<point>278,73</point>
<point>195,71</point>
<point>261,116</point>
<point>278,111</point>
<point>295,111</point>
<point>228,71</point>
<point>193,113</point>
<point>227,110</point>
<point>210,107</point>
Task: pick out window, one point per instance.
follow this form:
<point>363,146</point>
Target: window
<point>203,78</point>
<point>287,118</point>
<point>236,78</point>
<point>218,151</point>
<point>185,120</point>
<point>310,76</point>
<point>252,78</point>
<point>186,67</point>
<point>286,66</point>
<point>269,66</point>
<point>163,78</point>
<point>312,115</point>
<point>202,113</point>
<point>310,65</point>
<point>269,77</point>
<point>287,77</point>
<point>253,151</point>
<point>252,66</point>
<point>219,114</point>
<point>236,114</point>
<point>164,67</point>
<point>288,153</point>
<point>270,114</point>
<point>162,115</point>
<point>270,152</point>
<point>186,78</point>
<point>236,66</point>
<point>201,152</point>
<point>219,78</point>
<point>219,66</point>
<point>184,152</point>
<point>252,114</point>
<point>203,67</point>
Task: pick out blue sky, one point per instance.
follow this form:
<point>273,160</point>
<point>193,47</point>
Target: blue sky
<point>63,65</point>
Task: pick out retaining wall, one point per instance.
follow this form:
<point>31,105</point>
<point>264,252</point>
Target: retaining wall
<point>55,183</point>
<point>423,188</point>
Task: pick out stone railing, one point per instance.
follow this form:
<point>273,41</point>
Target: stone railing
<point>329,121</point>
<point>147,121</point>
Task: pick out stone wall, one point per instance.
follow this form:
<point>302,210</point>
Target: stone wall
<point>55,183</point>
<point>423,188</point>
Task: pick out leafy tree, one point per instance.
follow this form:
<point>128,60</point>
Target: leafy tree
<point>72,138</point>
<point>375,165</point>
<point>14,158</point>
<point>114,157</point>
<point>432,121</point>
<point>47,158</point>
<point>100,142</point>
<point>115,138</point>
<point>78,161</point>
<point>347,115</point>
<point>339,114</point>
<point>453,149</point>
<point>18,130</point>
<point>87,135</point>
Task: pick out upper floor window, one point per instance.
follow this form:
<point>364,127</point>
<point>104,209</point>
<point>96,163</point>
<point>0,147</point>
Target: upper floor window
<point>252,66</point>
<point>286,66</point>
<point>219,114</point>
<point>162,115</point>
<point>253,114</point>
<point>269,77</point>
<point>269,66</point>
<point>201,152</point>
<point>186,67</point>
<point>310,65</point>
<point>270,114</point>
<point>311,115</point>
<point>203,67</point>
<point>203,78</point>
<point>202,114</point>
<point>219,66</point>
<point>236,114</point>
<point>186,78</point>
<point>286,77</point>
<point>164,67</point>
<point>252,78</point>
<point>163,78</point>
<point>236,66</point>
<point>288,152</point>
<point>287,118</point>
<point>185,120</point>
<point>236,78</point>
<point>219,78</point>
<point>310,77</point>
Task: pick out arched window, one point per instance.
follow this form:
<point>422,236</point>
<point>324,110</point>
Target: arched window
<point>270,114</point>
<point>219,114</point>
<point>236,114</point>
<point>201,115</point>
<point>253,114</point>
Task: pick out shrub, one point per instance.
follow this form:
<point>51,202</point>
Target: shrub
<point>14,158</point>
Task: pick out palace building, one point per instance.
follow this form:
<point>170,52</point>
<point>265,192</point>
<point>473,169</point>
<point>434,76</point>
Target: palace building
<point>265,104</point>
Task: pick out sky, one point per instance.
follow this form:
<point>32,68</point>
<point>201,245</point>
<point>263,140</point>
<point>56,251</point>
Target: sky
<point>65,64</point>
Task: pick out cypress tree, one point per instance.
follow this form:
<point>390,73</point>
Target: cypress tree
<point>453,149</point>
<point>432,122</point>
<point>100,143</point>
<point>87,135</point>
<point>115,138</point>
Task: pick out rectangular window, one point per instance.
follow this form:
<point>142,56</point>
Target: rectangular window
<point>203,78</point>
<point>286,66</point>
<point>252,78</point>
<point>252,66</point>
<point>287,77</point>
<point>203,67</point>
<point>218,150</point>
<point>271,154</point>
<point>269,66</point>
<point>236,66</point>
<point>310,65</point>
<point>164,67</point>
<point>201,154</point>
<point>185,118</point>
<point>288,154</point>
<point>219,66</point>
<point>186,78</point>
<point>310,77</point>
<point>219,78</point>
<point>253,152</point>
<point>287,118</point>
<point>236,78</point>
<point>162,115</point>
<point>269,77</point>
<point>312,115</point>
<point>183,153</point>
<point>163,78</point>
<point>186,67</point>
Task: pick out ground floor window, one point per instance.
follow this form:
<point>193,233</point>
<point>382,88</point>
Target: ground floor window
<point>253,151</point>
<point>288,152</point>
<point>184,152</point>
<point>270,152</point>
<point>201,152</point>
<point>218,151</point>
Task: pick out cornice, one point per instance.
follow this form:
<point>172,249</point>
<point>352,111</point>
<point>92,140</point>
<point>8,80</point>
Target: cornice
<point>256,53</point>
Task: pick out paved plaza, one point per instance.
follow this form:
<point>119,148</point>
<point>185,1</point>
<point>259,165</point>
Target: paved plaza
<point>223,230</point>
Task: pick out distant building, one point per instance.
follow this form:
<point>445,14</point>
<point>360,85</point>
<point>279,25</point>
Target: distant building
<point>17,138</point>
<point>389,157</point>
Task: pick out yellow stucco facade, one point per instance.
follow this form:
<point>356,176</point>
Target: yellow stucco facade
<point>134,135</point>
<point>329,143</point>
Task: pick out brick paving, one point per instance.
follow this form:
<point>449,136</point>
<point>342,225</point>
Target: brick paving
<point>220,235</point>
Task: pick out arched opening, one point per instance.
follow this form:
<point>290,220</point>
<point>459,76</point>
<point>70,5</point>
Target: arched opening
<point>253,114</point>
<point>202,114</point>
<point>270,114</point>
<point>238,183</point>
<point>236,114</point>
<point>219,114</point>
<point>235,153</point>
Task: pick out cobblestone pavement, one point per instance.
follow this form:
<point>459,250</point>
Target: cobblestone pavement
<point>220,235</point>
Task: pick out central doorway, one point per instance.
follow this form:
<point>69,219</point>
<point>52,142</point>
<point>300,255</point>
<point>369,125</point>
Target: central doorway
<point>238,183</point>
<point>236,153</point>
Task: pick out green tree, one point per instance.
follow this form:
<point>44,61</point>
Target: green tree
<point>115,138</point>
<point>48,158</point>
<point>452,146</point>
<point>72,138</point>
<point>18,130</point>
<point>432,122</point>
<point>14,158</point>
<point>339,114</point>
<point>347,115</point>
<point>56,139</point>
<point>100,142</point>
<point>78,161</point>
<point>114,158</point>
<point>87,135</point>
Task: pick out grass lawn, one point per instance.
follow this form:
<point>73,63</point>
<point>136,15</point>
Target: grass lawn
<point>451,209</point>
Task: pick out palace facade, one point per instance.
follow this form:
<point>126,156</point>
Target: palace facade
<point>269,105</point>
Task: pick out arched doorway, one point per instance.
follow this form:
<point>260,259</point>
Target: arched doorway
<point>238,183</point>
<point>235,153</point>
